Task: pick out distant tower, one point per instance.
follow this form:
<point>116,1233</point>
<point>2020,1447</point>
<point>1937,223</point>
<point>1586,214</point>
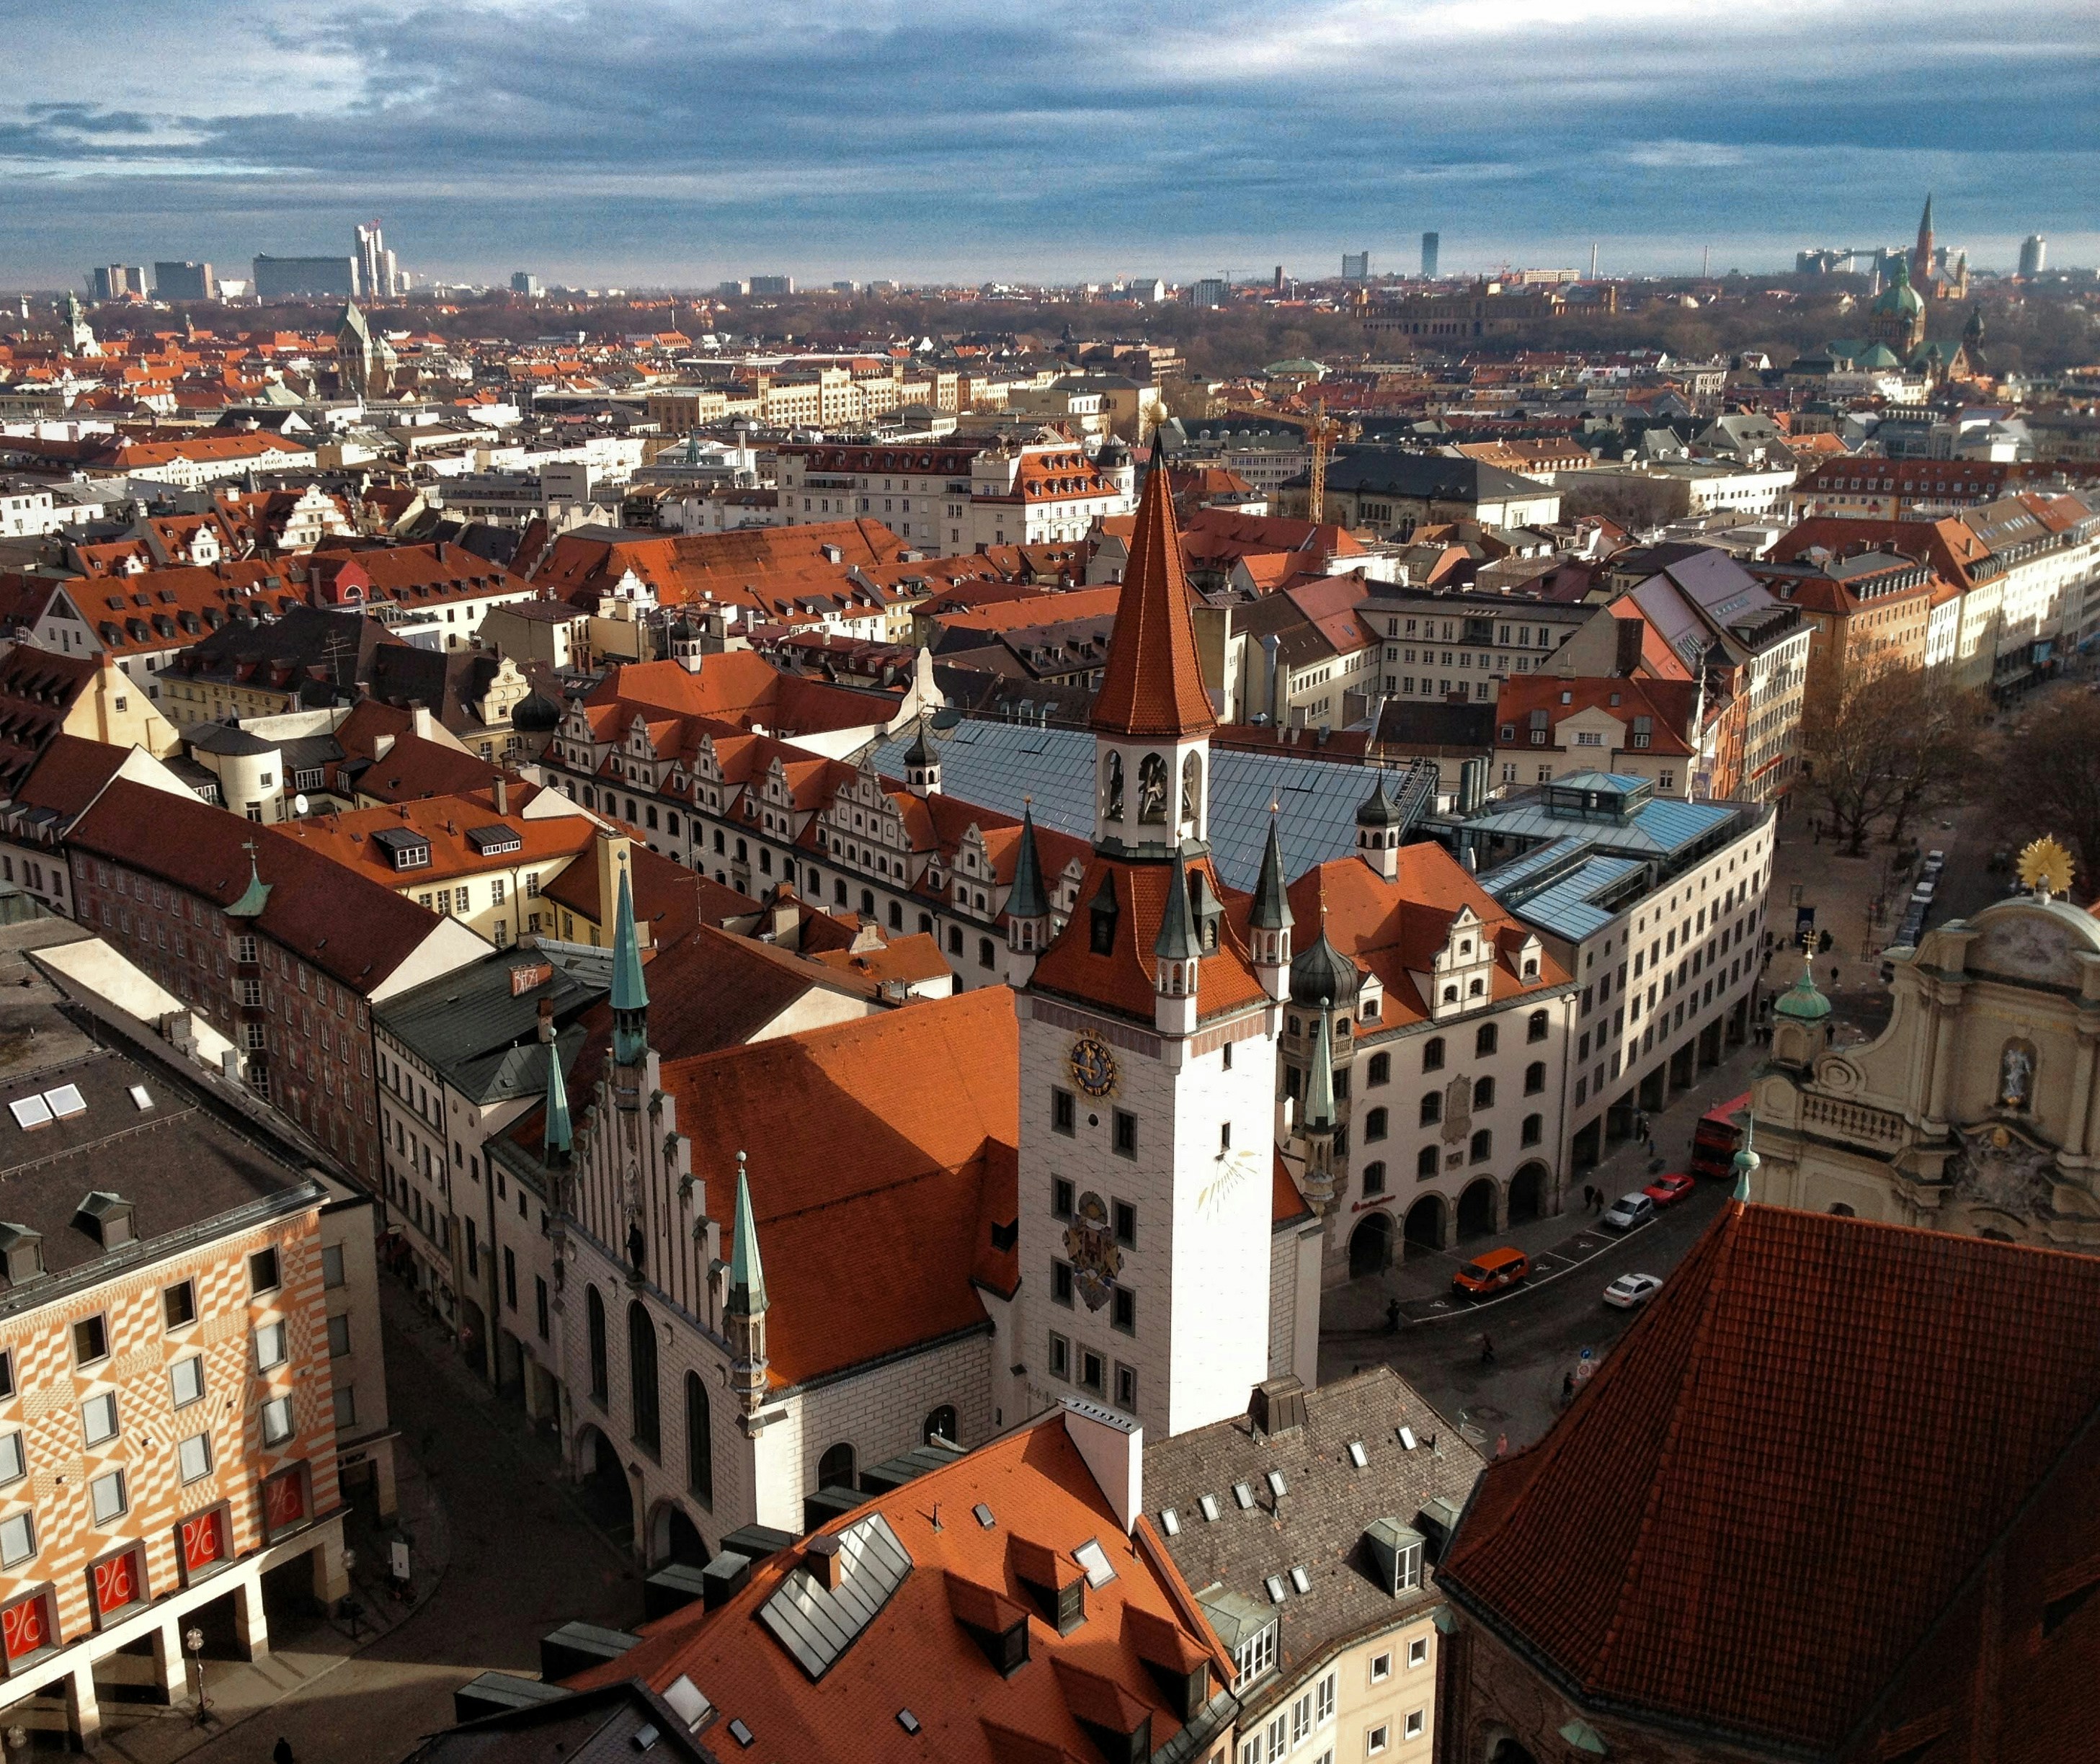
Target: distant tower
<point>1921,256</point>
<point>1430,242</point>
<point>80,337</point>
<point>2034,256</point>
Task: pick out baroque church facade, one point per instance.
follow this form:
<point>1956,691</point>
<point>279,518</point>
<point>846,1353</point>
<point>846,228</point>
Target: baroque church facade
<point>1977,1110</point>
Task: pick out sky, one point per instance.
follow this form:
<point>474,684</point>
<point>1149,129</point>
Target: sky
<point>675,142</point>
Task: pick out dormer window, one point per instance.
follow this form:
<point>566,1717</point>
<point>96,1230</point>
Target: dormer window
<point>1103,913</point>
<point>1253,1656</point>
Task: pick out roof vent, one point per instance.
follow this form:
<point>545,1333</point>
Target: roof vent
<point>907,1720</point>
<point>1278,1405</point>
<point>688,1702</point>
<point>21,1253</point>
<point>106,1218</point>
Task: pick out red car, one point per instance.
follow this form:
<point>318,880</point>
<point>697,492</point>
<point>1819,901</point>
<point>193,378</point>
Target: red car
<point>1665,1189</point>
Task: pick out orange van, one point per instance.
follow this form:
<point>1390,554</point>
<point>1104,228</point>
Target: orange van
<point>1494,1271</point>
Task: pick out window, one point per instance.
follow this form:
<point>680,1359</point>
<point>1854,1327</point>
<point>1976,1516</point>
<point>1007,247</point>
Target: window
<point>1061,1283</point>
<point>1126,1387</point>
<point>186,1380</point>
<point>1425,1163</point>
<point>13,1461</point>
<point>1301,1718</point>
<point>193,1457</point>
<point>1534,1128</point>
<point>1417,1652</point>
<point>594,1310</point>
<point>90,1340</point>
<point>1417,1719</point>
<point>263,1274</point>
<point>1381,1667</point>
<point>1534,1078</point>
<point>338,1335</point>
<point>1060,1356</point>
<point>1255,1655</point>
<point>1483,1147</point>
<point>1061,1197</point>
<point>18,1540</point>
<point>1126,1224</point>
<point>270,1347</point>
<point>1122,1313</point>
<point>97,1417</point>
<point>106,1497</point>
<point>1377,1740</point>
<point>346,1406</point>
<point>1374,1178</point>
<point>1324,1698</point>
<point>1484,1093</point>
<point>1484,1041</point>
<point>1126,1133</point>
<point>1433,1107</point>
<point>277,1421</point>
<point>539,1301</point>
<point>1432,1054</point>
<point>1381,1069</point>
<point>1063,1112</point>
<point>699,1443</point>
<point>1092,1373</point>
<point>646,1427</point>
<point>834,1468</point>
<point>332,1274</point>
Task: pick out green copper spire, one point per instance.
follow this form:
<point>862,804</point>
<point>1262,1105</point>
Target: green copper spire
<point>1028,899</point>
<point>1746,1162</point>
<point>747,1275</point>
<point>1320,1081</point>
<point>630,997</point>
<point>560,1138</point>
<point>256,896</point>
<point>1176,942</point>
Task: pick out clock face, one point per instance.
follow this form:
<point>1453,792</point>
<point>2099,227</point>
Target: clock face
<point>1093,1066</point>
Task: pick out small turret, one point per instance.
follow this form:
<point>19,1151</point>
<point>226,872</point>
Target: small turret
<point>1027,907</point>
<point>1379,823</point>
<point>922,765</point>
<point>1268,919</point>
<point>1318,1122</point>
<point>558,1142</point>
<point>1801,1023</point>
<point>1746,1163</point>
<point>744,1316</point>
<point>630,995</point>
<point>1179,953</point>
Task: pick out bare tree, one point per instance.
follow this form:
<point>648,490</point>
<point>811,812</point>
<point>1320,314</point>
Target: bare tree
<point>2052,777</point>
<point>1937,755</point>
<point>1854,745</point>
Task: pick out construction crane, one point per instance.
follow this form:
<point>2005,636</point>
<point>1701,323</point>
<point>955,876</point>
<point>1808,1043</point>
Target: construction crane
<point>1321,434</point>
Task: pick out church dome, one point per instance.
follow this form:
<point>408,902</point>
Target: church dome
<point>1378,809</point>
<point>1899,297</point>
<point>536,714</point>
<point>1322,976</point>
<point>1802,1002</point>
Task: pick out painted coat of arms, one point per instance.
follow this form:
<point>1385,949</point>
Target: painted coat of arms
<point>1092,1245</point>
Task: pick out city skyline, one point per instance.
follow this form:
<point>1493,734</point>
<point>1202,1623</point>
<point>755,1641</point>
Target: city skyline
<point>940,143</point>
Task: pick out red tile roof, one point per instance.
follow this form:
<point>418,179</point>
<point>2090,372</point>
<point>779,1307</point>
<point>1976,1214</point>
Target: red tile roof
<point>1153,685</point>
<point>1779,1484</point>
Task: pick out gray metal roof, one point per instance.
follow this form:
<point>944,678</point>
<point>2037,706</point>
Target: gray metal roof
<point>998,764</point>
<point>1660,828</point>
<point>816,1625</point>
<point>1556,886</point>
<point>473,1028</point>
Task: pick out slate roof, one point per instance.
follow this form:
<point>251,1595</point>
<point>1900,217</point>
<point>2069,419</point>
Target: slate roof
<point>1319,1520</point>
<point>1780,1480</point>
<point>482,1035</point>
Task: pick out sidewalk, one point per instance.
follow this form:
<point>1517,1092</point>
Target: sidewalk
<point>1421,1283</point>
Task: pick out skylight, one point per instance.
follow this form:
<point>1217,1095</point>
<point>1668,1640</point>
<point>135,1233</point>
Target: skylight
<point>1357,1455</point>
<point>1209,1503</point>
<point>1276,1483</point>
<point>66,1101</point>
<point>1301,1580</point>
<point>982,1514</point>
<point>1407,1438</point>
<point>1243,1494</point>
<point>1094,1559</point>
<point>30,1113</point>
<point>1170,1522</point>
<point>141,1098</point>
<point>1274,1583</point>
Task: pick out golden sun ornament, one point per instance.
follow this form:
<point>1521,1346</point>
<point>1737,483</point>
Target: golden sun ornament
<point>2045,866</point>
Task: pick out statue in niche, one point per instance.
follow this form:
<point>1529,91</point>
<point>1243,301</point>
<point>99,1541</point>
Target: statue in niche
<point>1192,792</point>
<point>1112,788</point>
<point>1152,788</point>
<point>2016,1076</point>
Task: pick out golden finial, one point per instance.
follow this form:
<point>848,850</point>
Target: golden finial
<point>2045,866</point>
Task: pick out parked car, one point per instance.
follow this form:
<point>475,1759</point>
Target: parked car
<point>1665,1189</point>
<point>1629,1292</point>
<point>1628,1211</point>
<point>1492,1272</point>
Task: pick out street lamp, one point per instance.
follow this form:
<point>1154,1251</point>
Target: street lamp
<point>193,1640</point>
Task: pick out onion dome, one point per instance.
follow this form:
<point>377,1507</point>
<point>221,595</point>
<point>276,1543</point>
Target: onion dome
<point>1802,1002</point>
<point>1378,809</point>
<point>1321,977</point>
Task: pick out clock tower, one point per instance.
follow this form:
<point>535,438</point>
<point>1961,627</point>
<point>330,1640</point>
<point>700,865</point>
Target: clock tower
<point>1148,1063</point>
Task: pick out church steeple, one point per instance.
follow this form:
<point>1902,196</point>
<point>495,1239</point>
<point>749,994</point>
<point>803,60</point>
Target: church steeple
<point>744,1314</point>
<point>630,996</point>
<point>1269,918</point>
<point>558,1142</point>
<point>1027,906</point>
<point>1920,261</point>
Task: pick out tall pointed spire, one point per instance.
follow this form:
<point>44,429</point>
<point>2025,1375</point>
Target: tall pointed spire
<point>1271,910</point>
<point>1176,942</point>
<point>1320,1079</point>
<point>1028,899</point>
<point>747,1274</point>
<point>1152,686</point>
<point>559,1140</point>
<point>630,996</point>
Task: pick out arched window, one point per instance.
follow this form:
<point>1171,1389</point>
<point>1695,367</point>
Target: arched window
<point>867,901</point>
<point>1534,1078</point>
<point>1374,1126</point>
<point>1432,1054</point>
<point>1451,994</point>
<point>1374,1178</point>
<point>1841,1211</point>
<point>1483,1147</point>
<point>641,1379</point>
<point>1112,787</point>
<point>1381,1069</point>
<point>1534,1129</point>
<point>1152,788</point>
<point>1484,1093</point>
<point>1433,1107</point>
<point>1484,1041</point>
<point>1296,1027</point>
<point>594,1311</point>
<point>699,1443</point>
<point>942,1425</point>
<point>896,915</point>
<point>1192,789</point>
<point>1425,1163</point>
<point>834,1468</point>
<point>1476,989</point>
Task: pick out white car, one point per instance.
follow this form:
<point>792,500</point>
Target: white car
<point>1629,1292</point>
<point>1628,1211</point>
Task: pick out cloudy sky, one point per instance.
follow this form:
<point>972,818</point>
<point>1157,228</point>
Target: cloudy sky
<point>680,141</point>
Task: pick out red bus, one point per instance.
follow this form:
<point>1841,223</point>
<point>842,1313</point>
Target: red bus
<point>1715,1140</point>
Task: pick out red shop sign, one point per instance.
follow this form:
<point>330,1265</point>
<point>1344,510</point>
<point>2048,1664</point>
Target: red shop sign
<point>284,1499</point>
<point>117,1583</point>
<point>25,1626</point>
<point>204,1539</point>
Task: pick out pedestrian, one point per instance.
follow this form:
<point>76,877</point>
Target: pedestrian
<point>1487,1348</point>
<point>281,1751</point>
<point>1392,1316</point>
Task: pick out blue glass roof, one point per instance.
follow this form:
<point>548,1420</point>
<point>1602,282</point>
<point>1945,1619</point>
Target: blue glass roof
<point>996,764</point>
<point>1556,886</point>
<point>1659,828</point>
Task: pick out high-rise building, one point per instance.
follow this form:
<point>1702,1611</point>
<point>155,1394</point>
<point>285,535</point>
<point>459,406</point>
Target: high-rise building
<point>285,278</point>
<point>2034,256</point>
<point>524,282</point>
<point>377,272</point>
<point>1277,282</point>
<point>184,281</point>
<point>1430,242</point>
<point>1209,292</point>
<point>113,281</point>
<point>1356,266</point>
<point>773,285</point>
